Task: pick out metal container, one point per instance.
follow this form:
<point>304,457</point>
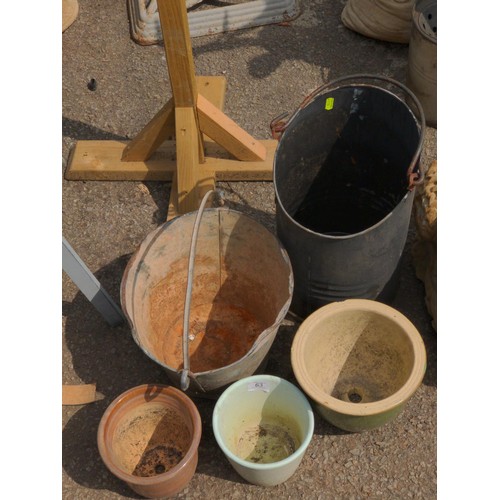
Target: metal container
<point>241,291</point>
<point>344,172</point>
<point>422,57</point>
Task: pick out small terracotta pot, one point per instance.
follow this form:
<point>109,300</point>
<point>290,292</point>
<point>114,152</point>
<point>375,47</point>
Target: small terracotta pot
<point>149,437</point>
<point>360,361</point>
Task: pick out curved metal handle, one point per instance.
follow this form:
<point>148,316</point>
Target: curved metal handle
<point>184,382</point>
<point>414,177</point>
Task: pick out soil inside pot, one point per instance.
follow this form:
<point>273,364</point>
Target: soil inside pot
<point>374,369</point>
<point>150,440</point>
<point>270,441</point>
<point>157,460</point>
<point>358,357</point>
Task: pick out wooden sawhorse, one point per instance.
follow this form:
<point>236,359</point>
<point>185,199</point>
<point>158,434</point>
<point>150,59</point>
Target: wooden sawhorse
<point>204,135</point>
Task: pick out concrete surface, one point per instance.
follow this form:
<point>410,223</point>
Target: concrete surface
<point>269,70</point>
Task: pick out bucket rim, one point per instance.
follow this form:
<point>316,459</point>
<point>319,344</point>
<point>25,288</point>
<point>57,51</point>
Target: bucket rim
<point>414,177</point>
<point>355,82</point>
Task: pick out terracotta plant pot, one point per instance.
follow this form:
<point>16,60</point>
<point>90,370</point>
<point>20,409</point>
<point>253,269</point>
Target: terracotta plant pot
<point>360,361</point>
<point>149,437</point>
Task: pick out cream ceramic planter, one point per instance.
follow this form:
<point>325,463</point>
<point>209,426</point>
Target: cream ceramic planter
<point>263,424</point>
<point>360,361</point>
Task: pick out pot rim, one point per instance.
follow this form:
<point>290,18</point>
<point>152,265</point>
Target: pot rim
<point>168,392</point>
<point>359,409</point>
<point>273,465</point>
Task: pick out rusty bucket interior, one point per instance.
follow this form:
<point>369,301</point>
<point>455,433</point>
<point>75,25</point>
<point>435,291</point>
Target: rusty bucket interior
<point>242,288</point>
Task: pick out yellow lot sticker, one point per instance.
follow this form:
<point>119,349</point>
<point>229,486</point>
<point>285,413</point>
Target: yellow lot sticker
<point>329,103</point>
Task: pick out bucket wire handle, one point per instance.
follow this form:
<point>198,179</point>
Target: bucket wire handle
<point>278,125</point>
<point>184,383</point>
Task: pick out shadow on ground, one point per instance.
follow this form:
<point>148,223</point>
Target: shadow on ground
<point>82,131</point>
<point>322,44</point>
<point>80,455</point>
<point>110,358</point>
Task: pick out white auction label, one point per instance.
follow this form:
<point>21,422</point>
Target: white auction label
<point>258,386</point>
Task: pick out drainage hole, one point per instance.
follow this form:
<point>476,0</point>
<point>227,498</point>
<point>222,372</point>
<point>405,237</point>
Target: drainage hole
<point>429,16</point>
<point>157,461</point>
<point>354,396</point>
<point>435,29</point>
<point>160,469</point>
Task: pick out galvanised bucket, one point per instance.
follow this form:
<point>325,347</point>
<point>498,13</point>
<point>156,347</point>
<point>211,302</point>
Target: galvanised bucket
<point>241,291</point>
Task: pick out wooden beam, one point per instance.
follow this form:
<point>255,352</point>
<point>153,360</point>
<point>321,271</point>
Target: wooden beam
<point>178,50</point>
<point>162,126</point>
<point>80,394</point>
<point>186,135</point>
<point>213,88</point>
<point>230,169</point>
<point>173,206</point>
<point>149,139</point>
<point>101,161</point>
<point>205,183</point>
<point>224,131</point>
<point>179,54</point>
<point>190,114</point>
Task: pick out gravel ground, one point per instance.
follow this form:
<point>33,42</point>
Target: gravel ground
<point>269,70</point>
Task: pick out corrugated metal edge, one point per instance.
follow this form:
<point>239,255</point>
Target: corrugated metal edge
<point>146,30</point>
